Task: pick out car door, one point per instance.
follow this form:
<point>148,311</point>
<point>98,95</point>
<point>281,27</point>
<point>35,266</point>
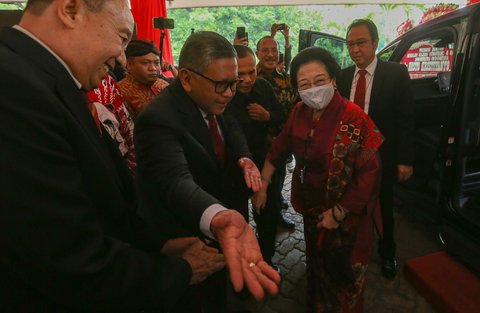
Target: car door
<point>429,58</point>
<point>443,59</point>
<point>460,209</point>
<point>336,45</point>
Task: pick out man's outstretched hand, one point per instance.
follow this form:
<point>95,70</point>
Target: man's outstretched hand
<point>251,174</point>
<point>243,256</point>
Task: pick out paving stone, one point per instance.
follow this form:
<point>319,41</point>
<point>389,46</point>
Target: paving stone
<point>381,295</point>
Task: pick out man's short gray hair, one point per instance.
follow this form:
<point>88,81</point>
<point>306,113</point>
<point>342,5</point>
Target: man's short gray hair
<point>38,6</point>
<point>202,48</point>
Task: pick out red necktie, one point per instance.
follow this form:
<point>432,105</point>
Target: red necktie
<point>359,98</point>
<point>217,140</point>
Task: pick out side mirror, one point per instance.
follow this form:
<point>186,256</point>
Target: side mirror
<point>443,81</point>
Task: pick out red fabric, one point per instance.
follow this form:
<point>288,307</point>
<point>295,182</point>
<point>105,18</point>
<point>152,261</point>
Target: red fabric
<point>112,113</point>
<point>136,95</point>
<point>360,89</point>
<point>343,140</point>
<point>315,152</point>
<point>446,284</point>
<point>93,110</point>
<point>143,12</point>
<point>217,140</point>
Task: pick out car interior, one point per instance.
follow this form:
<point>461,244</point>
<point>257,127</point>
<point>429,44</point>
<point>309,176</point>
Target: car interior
<point>430,62</point>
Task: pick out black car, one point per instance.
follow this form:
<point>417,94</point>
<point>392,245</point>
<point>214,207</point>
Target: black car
<point>443,59</point>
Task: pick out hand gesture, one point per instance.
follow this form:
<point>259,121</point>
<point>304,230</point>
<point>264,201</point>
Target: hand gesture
<point>240,41</point>
<point>404,172</point>
<point>251,174</point>
<point>286,33</point>
<point>244,259</point>
<point>166,66</point>
<point>258,113</point>
<point>259,199</point>
<point>203,260</point>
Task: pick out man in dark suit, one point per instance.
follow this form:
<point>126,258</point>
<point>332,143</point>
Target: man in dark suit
<point>260,116</point>
<point>70,237</point>
<point>183,135</point>
<point>383,90</point>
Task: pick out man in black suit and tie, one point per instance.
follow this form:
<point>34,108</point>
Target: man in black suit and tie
<point>70,237</point>
<point>183,136</point>
<point>383,90</point>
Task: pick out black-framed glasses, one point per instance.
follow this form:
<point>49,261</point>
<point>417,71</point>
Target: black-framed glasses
<point>220,85</point>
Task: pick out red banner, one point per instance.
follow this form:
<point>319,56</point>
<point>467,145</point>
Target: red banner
<point>143,13</point>
<point>428,60</point>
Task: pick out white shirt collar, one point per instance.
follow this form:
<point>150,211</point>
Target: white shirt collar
<point>29,34</point>
<point>370,68</point>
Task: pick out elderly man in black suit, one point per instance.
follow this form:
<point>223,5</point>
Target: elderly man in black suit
<point>383,90</point>
<point>70,237</point>
<point>184,136</point>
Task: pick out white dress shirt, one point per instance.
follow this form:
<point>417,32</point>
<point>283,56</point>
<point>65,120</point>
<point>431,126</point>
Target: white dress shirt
<point>368,82</point>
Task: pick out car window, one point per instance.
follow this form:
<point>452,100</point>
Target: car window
<point>430,56</point>
<point>337,48</point>
<point>387,53</point>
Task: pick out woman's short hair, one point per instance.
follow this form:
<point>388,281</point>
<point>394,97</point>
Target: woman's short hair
<point>313,54</point>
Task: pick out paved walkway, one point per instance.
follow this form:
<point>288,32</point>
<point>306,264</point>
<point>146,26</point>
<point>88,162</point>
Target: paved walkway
<point>414,238</point>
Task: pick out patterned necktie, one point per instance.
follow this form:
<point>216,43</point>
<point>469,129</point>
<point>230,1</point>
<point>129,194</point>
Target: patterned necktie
<point>217,140</point>
<point>359,98</point>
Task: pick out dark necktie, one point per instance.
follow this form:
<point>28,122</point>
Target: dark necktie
<point>359,98</point>
<point>217,140</point>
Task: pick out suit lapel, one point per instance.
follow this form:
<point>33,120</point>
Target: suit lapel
<point>377,83</point>
<point>226,138</point>
<point>194,121</point>
<point>347,82</point>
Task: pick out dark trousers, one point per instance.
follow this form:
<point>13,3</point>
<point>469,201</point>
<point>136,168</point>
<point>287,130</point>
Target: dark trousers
<point>387,246</point>
<point>267,220</point>
<point>208,296</point>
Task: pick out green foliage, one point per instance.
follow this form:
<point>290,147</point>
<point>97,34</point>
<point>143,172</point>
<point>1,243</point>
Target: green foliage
<point>258,20</point>
<point>13,6</point>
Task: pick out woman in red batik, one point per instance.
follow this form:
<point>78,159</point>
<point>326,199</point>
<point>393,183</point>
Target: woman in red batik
<point>334,184</point>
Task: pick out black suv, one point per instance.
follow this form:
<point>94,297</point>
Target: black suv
<point>443,59</point>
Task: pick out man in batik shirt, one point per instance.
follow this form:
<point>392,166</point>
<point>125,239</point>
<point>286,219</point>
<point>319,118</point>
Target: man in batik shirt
<point>268,56</point>
<point>142,82</point>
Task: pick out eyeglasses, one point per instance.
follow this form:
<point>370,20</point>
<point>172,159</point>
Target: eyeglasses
<point>359,43</point>
<point>220,85</point>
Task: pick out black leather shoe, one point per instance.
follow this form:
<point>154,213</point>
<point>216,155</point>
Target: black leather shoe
<point>282,222</point>
<point>389,268</point>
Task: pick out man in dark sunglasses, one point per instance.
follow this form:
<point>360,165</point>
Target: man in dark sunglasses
<point>192,162</point>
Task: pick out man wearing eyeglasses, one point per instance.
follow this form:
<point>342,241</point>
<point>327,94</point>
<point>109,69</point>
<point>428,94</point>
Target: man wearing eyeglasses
<point>192,161</point>
<point>383,90</point>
